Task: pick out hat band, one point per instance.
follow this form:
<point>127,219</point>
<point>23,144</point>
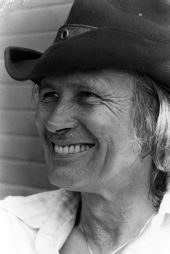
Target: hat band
<point>72,30</point>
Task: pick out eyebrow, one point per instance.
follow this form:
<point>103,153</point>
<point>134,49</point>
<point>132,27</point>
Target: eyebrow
<point>93,84</point>
<point>89,84</point>
<point>86,85</point>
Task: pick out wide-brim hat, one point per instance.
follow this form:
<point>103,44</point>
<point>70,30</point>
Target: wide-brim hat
<point>99,34</point>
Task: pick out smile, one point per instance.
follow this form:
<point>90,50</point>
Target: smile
<point>72,149</point>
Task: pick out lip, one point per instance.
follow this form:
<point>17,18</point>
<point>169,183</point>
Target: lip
<point>74,140</point>
<point>70,142</point>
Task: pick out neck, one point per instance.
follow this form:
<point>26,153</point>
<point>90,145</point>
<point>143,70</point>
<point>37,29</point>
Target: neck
<point>110,220</point>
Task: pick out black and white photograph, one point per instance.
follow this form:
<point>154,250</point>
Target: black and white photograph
<point>84,126</point>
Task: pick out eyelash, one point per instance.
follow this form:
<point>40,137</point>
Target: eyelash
<point>88,94</point>
<point>83,96</point>
<point>48,97</point>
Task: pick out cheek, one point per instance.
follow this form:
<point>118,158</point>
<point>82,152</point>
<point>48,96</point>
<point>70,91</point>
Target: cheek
<point>108,129</point>
<point>111,134</point>
<point>97,122</point>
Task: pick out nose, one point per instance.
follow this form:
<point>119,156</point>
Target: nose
<point>62,131</point>
<point>61,121</point>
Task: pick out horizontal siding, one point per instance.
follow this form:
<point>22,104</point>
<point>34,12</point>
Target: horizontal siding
<point>16,96</point>
<point>36,20</point>
<point>22,123</point>
<point>7,189</point>
<point>22,164</point>
<point>44,3</point>
<point>21,148</point>
<point>12,5</point>
<point>25,172</point>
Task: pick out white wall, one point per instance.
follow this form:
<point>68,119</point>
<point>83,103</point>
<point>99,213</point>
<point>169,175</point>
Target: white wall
<point>33,24</point>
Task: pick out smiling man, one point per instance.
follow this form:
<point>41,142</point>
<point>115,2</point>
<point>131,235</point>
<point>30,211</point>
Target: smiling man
<point>103,116</point>
<point>85,123</point>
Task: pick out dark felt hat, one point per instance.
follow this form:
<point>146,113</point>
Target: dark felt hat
<point>98,34</point>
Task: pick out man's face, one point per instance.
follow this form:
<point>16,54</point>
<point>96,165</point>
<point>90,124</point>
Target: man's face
<point>86,130</point>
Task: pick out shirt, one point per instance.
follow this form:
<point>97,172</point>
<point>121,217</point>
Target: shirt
<point>41,223</point>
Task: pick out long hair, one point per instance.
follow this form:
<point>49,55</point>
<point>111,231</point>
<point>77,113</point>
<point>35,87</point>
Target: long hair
<point>151,122</point>
<point>150,114</point>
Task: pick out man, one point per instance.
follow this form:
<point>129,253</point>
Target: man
<point>103,117</point>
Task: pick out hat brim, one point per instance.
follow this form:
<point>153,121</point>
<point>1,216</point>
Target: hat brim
<point>94,50</point>
<point>20,62</point>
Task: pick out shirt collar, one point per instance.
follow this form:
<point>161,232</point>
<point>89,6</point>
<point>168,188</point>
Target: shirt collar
<point>51,213</point>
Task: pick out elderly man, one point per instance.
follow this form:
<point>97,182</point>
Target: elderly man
<point>103,117</point>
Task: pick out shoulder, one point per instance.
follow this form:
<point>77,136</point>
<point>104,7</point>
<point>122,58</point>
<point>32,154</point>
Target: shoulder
<point>15,235</point>
<point>161,227</point>
<point>162,237</point>
<point>25,222</point>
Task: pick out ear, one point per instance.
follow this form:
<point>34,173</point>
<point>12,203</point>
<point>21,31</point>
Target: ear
<point>131,152</point>
<point>136,147</point>
<point>134,150</point>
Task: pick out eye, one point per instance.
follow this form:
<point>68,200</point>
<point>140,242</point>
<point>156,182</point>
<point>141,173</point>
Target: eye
<point>87,97</point>
<point>49,96</point>
<point>87,94</point>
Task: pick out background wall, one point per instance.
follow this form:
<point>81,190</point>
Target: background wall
<point>29,23</point>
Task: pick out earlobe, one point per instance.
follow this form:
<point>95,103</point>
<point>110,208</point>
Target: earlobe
<point>135,148</point>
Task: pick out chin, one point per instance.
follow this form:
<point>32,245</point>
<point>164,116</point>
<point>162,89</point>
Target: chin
<point>62,177</point>
<point>67,178</point>
<point>69,171</point>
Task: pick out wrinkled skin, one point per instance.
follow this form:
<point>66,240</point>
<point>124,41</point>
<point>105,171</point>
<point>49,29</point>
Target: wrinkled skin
<point>95,109</point>
<point>111,175</point>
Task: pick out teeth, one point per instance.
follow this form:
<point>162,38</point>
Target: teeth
<point>65,149</point>
<point>77,149</point>
<point>71,149</point>
<point>60,149</point>
<point>84,148</point>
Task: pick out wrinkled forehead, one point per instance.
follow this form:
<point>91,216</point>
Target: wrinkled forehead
<point>73,79</point>
<point>105,80</point>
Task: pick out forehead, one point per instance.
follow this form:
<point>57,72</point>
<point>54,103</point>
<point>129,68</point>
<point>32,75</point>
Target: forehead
<point>105,81</point>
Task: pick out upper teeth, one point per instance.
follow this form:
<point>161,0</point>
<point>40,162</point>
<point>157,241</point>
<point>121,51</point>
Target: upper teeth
<point>71,148</point>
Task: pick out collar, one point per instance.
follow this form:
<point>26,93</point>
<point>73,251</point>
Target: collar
<point>52,214</point>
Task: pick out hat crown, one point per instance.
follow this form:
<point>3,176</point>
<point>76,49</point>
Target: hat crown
<point>99,34</point>
<point>105,12</point>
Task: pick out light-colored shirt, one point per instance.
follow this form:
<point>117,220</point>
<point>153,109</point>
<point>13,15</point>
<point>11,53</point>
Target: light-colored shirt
<point>41,223</point>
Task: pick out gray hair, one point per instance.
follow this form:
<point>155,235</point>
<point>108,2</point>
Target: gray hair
<point>150,114</point>
<point>151,122</point>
